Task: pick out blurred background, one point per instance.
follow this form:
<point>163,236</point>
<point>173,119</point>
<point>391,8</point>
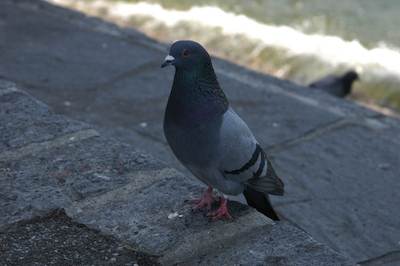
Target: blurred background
<point>299,40</point>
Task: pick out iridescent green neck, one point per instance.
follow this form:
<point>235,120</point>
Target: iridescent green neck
<point>196,96</point>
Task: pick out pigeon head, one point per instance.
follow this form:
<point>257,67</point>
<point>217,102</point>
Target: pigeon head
<point>350,76</point>
<point>187,55</point>
<point>195,94</point>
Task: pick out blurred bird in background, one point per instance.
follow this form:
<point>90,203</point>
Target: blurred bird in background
<point>339,86</point>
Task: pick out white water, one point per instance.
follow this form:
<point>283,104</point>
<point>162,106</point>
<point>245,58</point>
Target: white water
<point>331,49</point>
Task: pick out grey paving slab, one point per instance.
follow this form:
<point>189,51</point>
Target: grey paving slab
<point>47,51</point>
<point>56,240</point>
<point>143,142</point>
<point>274,246</point>
<point>343,188</point>
<point>54,178</point>
<point>154,218</point>
<point>161,223</point>
<point>24,120</point>
<point>110,186</point>
<point>137,102</point>
<point>391,258</point>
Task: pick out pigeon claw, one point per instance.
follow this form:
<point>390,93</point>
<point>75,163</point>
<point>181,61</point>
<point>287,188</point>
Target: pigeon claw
<point>206,200</point>
<point>221,213</point>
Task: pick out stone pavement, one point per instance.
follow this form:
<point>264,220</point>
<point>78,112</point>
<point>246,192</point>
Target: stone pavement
<point>338,160</point>
<point>122,206</point>
<point>55,239</point>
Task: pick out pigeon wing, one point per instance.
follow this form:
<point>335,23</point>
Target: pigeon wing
<point>242,158</point>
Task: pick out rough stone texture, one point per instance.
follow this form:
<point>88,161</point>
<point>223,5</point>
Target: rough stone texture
<point>389,259</point>
<point>337,159</point>
<point>25,121</point>
<point>179,236</point>
<point>109,186</point>
<point>56,240</point>
<point>55,177</point>
<point>161,220</point>
<point>358,207</point>
<point>264,249</point>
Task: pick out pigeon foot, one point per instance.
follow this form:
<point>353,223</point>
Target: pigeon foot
<point>205,201</point>
<point>222,212</point>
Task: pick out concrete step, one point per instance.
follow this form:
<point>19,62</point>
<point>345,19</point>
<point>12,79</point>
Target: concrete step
<point>54,239</point>
<point>120,192</point>
<point>337,159</point>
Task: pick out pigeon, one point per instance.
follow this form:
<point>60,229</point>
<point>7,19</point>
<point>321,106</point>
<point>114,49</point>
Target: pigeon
<point>210,139</point>
<point>339,86</point>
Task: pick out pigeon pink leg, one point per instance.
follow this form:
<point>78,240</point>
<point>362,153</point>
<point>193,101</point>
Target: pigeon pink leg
<point>222,212</point>
<point>205,201</point>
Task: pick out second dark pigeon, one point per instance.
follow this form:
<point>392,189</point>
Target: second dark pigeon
<point>339,86</point>
<point>210,139</point>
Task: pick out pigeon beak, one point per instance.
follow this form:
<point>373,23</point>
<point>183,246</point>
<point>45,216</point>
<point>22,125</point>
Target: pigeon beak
<point>169,60</point>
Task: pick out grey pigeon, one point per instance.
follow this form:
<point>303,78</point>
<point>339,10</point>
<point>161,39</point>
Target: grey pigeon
<point>339,86</point>
<point>210,139</point>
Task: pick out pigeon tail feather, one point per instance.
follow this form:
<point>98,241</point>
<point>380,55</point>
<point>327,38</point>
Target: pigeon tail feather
<point>270,183</point>
<point>260,201</point>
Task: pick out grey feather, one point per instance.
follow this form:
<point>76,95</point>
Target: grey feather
<point>237,147</point>
<point>270,184</point>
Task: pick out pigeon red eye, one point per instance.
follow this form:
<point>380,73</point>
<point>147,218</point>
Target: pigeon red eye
<point>185,53</point>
